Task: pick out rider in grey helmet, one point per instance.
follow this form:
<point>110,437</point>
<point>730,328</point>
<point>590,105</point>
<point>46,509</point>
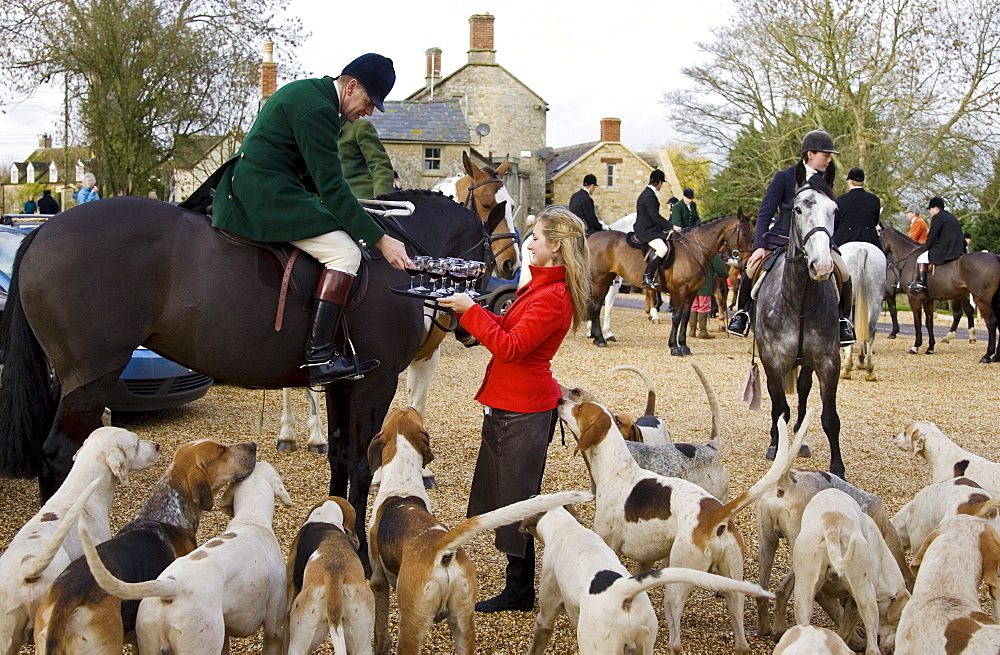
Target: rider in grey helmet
<point>772,231</point>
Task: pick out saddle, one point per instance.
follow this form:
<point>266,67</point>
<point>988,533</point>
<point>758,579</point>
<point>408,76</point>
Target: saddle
<point>642,246</point>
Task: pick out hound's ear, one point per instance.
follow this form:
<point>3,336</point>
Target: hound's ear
<point>989,547</point>
<point>596,425</point>
<point>919,557</point>
<point>375,452</point>
<point>118,463</point>
<point>200,491</point>
<point>425,448</point>
<point>627,427</point>
<point>916,436</point>
<point>279,490</point>
<point>899,601</point>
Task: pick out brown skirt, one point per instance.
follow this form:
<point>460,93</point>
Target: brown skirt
<point>510,467</point>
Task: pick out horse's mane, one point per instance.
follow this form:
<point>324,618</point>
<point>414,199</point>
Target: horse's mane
<point>716,218</point>
<point>905,237</point>
<point>410,194</point>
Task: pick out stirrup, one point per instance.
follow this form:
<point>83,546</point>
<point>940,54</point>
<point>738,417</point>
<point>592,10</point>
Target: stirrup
<point>740,330</point>
<point>846,329</point>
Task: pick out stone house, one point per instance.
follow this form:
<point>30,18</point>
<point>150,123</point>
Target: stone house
<point>60,170</point>
<point>489,94</point>
<point>195,158</point>
<point>621,173</point>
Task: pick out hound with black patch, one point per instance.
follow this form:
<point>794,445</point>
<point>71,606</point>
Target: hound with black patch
<point>418,555</point>
<point>327,589</point>
<point>608,608</point>
<point>77,616</point>
<point>943,455</point>
<point>45,546</point>
<point>648,517</point>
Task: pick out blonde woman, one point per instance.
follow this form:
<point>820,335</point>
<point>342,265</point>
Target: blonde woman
<point>519,394</point>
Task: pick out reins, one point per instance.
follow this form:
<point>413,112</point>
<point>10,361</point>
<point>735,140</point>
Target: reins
<point>470,203</point>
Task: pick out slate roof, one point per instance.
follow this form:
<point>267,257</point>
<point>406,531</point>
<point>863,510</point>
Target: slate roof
<point>563,157</point>
<point>436,121</point>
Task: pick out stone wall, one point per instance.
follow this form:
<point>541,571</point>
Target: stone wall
<point>631,177</point>
<point>408,161</point>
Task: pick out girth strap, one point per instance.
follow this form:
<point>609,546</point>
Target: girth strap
<point>284,290</point>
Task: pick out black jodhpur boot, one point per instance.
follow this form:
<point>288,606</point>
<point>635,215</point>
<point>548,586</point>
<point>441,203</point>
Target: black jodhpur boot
<point>650,278</point>
<point>519,593</point>
<point>846,300</point>
<point>324,363</point>
<point>740,323</point>
<point>920,285</point>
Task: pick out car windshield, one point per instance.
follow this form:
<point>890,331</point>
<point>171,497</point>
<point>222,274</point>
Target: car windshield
<point>9,241</point>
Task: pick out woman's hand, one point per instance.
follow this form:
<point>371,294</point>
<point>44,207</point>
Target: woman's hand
<point>758,255</point>
<point>459,303</point>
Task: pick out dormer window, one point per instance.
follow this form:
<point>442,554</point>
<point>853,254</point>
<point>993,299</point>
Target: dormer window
<point>53,172</point>
<point>31,174</point>
<point>14,174</point>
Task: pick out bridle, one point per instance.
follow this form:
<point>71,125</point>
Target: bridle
<point>797,243</point>
<point>470,203</point>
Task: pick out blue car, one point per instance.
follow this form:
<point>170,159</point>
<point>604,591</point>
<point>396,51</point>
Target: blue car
<point>149,382</point>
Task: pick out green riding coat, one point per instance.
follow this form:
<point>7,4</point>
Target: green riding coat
<point>286,182</point>
<point>367,166</point>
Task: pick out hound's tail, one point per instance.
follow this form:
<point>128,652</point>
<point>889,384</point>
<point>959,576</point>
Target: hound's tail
<point>650,387</point>
<point>627,588</point>
<point>782,464</point>
<point>33,567</point>
<point>127,590</point>
<point>841,541</point>
<point>465,531</point>
<point>713,402</point>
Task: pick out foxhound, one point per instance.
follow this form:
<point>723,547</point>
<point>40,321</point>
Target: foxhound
<point>946,458</point>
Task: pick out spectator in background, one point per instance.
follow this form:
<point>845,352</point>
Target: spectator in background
<point>396,183</point>
<point>968,241</point>
<point>47,204</point>
<point>918,226</point>
<point>152,195</point>
<point>582,204</point>
<point>87,193</point>
<point>702,305</point>
<point>30,206</point>
<point>366,164</point>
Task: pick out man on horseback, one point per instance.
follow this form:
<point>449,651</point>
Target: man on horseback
<point>651,228</point>
<point>857,213</point>
<point>772,231</point>
<point>287,184</point>
<point>685,214</point>
<point>945,242</point>
<point>581,203</point>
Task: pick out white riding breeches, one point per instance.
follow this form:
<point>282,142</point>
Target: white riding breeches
<point>923,258</point>
<point>659,246</point>
<point>336,250</point>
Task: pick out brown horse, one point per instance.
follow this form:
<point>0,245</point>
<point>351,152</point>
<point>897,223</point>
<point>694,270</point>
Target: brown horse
<point>481,189</point>
<point>610,255</point>
<point>977,273</point>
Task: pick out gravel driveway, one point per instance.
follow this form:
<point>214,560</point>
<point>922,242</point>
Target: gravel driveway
<point>949,388</point>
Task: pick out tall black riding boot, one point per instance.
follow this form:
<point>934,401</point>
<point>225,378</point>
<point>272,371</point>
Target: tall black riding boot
<point>920,285</point>
<point>519,593</point>
<point>847,336</point>
<point>740,323</point>
<point>650,278</point>
<point>324,363</point>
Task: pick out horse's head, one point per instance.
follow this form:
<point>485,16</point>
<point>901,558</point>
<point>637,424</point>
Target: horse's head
<point>482,189</point>
<point>812,228</point>
<point>738,244</point>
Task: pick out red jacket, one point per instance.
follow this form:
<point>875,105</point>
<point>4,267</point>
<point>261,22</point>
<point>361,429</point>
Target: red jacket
<point>523,342</point>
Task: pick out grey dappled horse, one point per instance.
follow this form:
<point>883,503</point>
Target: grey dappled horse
<point>866,264</point>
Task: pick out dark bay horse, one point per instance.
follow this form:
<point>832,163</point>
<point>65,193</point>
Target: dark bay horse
<point>100,279</point>
<point>796,317</point>
<point>610,255</point>
<point>977,273</point>
<point>959,307</point>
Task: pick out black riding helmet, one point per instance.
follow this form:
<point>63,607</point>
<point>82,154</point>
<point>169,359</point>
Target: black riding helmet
<point>818,141</point>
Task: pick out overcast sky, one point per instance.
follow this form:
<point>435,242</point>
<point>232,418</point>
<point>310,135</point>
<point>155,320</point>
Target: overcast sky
<point>588,59</point>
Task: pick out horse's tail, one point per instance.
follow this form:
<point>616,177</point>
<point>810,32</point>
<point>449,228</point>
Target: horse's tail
<point>861,315</point>
<point>27,393</point>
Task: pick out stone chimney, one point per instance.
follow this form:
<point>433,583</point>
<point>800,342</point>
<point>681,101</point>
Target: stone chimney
<point>268,73</point>
<point>45,141</point>
<point>611,129</point>
<point>481,39</point>
<point>433,68</point>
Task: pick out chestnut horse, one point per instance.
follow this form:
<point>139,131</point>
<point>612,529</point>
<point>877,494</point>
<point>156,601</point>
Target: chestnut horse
<point>977,273</point>
<point>610,255</point>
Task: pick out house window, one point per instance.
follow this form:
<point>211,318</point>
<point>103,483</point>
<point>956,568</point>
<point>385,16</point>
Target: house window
<point>14,179</point>
<point>432,159</point>
<point>53,172</point>
<point>611,176</point>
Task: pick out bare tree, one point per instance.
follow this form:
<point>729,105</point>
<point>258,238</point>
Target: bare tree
<point>142,73</point>
<point>910,89</point>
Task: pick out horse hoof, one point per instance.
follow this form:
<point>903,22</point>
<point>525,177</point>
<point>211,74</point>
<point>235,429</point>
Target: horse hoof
<point>685,350</point>
<point>985,359</point>
<point>600,343</point>
<point>840,473</point>
<point>676,352</point>
<point>772,451</point>
<point>891,336</point>
<point>610,337</point>
<point>320,449</point>
<point>804,451</point>
<point>929,351</point>
<point>285,446</point>
<point>913,351</point>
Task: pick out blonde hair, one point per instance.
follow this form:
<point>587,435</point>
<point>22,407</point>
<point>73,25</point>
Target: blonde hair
<point>562,226</point>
